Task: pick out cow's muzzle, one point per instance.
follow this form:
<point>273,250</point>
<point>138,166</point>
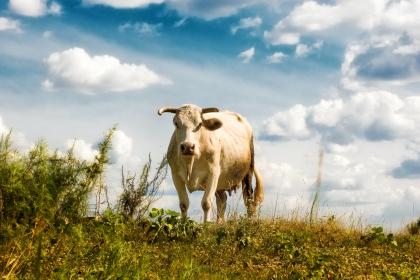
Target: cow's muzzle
<point>187,149</point>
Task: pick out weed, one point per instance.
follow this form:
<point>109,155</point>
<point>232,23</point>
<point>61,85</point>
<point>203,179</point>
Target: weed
<point>376,234</point>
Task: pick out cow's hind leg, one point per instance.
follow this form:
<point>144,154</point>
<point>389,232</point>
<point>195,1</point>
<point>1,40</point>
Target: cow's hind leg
<point>221,198</point>
<point>182,194</point>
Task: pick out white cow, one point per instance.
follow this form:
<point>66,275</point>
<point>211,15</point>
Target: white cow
<point>212,151</point>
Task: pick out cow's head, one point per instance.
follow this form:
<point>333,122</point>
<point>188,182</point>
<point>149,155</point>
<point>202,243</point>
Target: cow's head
<point>189,124</point>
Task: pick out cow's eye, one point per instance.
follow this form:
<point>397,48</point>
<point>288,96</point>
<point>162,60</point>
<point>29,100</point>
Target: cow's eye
<point>198,127</point>
<point>176,124</point>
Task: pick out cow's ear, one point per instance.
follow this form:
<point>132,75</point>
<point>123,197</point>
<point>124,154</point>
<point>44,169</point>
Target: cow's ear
<point>213,124</point>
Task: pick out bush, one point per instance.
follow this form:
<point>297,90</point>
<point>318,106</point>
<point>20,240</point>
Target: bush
<point>48,186</point>
<point>168,224</point>
<point>414,227</point>
<point>139,194</point>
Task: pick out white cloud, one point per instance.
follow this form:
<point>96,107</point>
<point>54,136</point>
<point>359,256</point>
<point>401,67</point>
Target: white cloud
<point>209,10</point>
<point>394,62</point>
<point>286,188</point>
<point>247,55</point>
<point>290,124</point>
<point>180,22</point>
<point>143,28</point>
<point>76,69</point>
<point>82,150</point>
<point>54,9</point>
<point>276,57</point>
<point>345,20</point>
<point>246,23</point>
<point>123,3</point>
<point>34,8</point>
<point>3,128</point>
<point>355,185</point>
<point>205,9</point>
<point>18,139</point>
<point>120,153</point>
<point>122,146</point>
<point>303,50</point>
<point>282,38</point>
<point>9,24</point>
<point>372,116</point>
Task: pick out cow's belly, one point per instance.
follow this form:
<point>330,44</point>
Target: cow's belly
<point>232,175</point>
<point>235,163</point>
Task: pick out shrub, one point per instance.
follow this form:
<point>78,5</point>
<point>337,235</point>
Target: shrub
<point>45,185</point>
<point>139,193</point>
<point>414,227</point>
<point>168,224</point>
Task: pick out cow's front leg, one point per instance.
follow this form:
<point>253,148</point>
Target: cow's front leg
<point>182,194</point>
<point>210,191</point>
<point>221,198</point>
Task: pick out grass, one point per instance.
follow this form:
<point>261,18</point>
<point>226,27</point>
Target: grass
<point>45,234</point>
<point>114,248</point>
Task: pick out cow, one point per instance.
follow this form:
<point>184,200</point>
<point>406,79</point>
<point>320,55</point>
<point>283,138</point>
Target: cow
<point>212,151</point>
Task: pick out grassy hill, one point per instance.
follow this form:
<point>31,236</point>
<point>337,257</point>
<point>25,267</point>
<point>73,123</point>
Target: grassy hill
<point>45,234</point>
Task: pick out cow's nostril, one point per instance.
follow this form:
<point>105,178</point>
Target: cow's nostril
<point>182,147</point>
<point>192,146</point>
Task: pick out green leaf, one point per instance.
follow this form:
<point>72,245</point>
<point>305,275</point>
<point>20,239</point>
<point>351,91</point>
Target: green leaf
<point>154,213</point>
<point>172,213</point>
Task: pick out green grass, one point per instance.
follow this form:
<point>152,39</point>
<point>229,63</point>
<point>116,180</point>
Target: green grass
<point>45,234</point>
<point>114,248</point>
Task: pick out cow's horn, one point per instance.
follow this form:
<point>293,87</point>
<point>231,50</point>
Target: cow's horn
<point>166,109</point>
<point>209,110</point>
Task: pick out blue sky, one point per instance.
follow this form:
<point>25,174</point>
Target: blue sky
<point>341,75</point>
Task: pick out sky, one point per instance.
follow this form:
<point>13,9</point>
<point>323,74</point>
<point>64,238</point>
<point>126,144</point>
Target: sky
<point>337,75</point>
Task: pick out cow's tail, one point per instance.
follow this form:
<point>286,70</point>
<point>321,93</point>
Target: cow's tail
<point>259,188</point>
<point>252,198</point>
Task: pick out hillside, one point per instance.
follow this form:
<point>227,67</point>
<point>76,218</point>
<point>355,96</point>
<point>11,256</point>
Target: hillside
<point>110,248</point>
<point>45,233</point>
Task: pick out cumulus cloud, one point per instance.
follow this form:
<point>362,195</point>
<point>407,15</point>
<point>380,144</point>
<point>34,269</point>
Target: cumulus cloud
<point>34,8</point>
<point>82,150</point>
<point>394,62</point>
<point>303,50</point>
<point>142,28</point>
<point>372,116</point>
<point>286,187</point>
<point>120,153</point>
<point>246,23</point>
<point>346,19</point>
<point>9,24</point>
<point>19,139</point>
<point>122,146</point>
<point>76,69</point>
<point>282,38</point>
<point>409,168</point>
<point>349,187</point>
<point>247,55</point>
<point>276,57</point>
<point>3,128</point>
<point>286,125</point>
<point>123,3</point>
